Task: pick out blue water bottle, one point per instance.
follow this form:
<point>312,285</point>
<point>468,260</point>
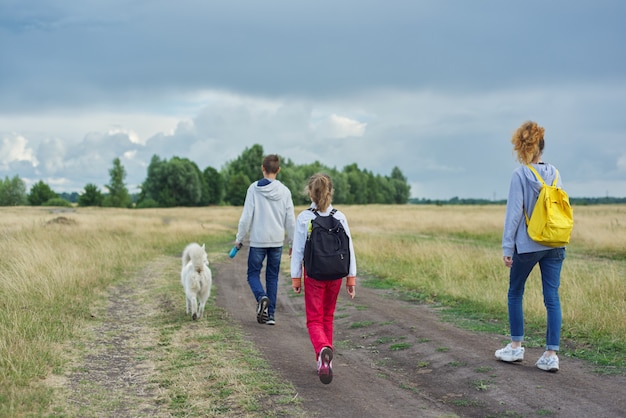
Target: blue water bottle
<point>234,250</point>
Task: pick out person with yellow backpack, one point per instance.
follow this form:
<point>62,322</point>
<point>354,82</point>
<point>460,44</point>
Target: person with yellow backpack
<point>544,246</point>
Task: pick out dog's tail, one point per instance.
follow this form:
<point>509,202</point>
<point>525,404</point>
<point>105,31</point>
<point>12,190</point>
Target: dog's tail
<point>186,255</point>
<point>198,258</point>
<point>191,254</point>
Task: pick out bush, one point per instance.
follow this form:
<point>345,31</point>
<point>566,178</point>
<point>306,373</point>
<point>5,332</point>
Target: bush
<point>147,203</point>
<point>57,201</point>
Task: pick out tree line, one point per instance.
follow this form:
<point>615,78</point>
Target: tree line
<point>574,201</point>
<point>180,182</point>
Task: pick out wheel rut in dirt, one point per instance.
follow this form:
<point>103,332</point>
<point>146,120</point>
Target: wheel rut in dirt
<point>398,358</point>
<point>114,377</point>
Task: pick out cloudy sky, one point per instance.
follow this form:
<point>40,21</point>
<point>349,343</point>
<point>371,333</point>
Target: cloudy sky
<point>434,87</point>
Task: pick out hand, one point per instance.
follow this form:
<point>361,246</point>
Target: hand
<point>351,289</point>
<point>508,261</point>
<point>296,285</point>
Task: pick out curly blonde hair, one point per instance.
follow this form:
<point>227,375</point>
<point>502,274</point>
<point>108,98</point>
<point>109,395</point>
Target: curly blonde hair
<point>528,142</point>
<point>320,189</point>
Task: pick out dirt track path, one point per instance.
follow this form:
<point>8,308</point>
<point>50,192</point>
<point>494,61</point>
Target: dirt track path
<point>397,359</point>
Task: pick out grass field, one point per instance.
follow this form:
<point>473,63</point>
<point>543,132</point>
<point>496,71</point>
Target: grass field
<point>55,264</point>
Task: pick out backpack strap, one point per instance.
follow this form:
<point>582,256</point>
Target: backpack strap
<point>536,174</point>
<point>310,224</point>
<point>540,178</point>
<point>314,210</point>
<point>542,182</point>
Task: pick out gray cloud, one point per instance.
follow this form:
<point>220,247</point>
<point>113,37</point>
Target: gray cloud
<point>435,88</point>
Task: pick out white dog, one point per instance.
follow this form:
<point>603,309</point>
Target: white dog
<point>196,279</point>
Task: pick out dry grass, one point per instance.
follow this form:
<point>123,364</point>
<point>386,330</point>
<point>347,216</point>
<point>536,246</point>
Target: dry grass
<point>456,251</point>
<point>55,264</point>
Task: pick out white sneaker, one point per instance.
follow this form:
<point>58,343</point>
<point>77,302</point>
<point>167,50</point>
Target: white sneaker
<point>510,354</point>
<point>548,363</point>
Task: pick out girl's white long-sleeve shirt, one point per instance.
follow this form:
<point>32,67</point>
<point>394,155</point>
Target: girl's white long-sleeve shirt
<point>300,237</point>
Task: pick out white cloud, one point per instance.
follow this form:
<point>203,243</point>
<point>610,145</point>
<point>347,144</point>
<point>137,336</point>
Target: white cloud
<point>335,126</point>
<point>446,145</point>
<point>15,149</point>
<point>132,136</point>
<point>129,155</point>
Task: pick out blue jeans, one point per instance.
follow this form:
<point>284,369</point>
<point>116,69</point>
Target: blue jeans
<point>550,263</point>
<point>255,263</point>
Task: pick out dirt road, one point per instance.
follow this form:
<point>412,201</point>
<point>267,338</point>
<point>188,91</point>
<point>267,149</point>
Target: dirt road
<point>398,359</point>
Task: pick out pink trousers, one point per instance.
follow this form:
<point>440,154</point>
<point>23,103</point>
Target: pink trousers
<point>320,299</point>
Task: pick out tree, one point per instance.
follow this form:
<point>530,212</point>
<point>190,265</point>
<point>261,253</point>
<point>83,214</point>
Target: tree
<point>178,182</point>
<point>91,196</point>
<point>40,193</point>
<point>118,196</point>
<point>12,192</point>
<point>341,186</point>
<point>400,185</point>
<point>215,186</point>
<point>386,190</point>
<point>237,187</point>
<point>153,183</point>
<point>358,185</point>
<point>246,166</point>
<point>248,163</point>
<point>184,182</point>
<point>294,181</point>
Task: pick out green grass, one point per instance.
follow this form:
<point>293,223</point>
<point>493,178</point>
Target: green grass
<point>422,254</point>
<point>481,384</point>
<point>545,412</point>
<point>45,330</point>
<point>399,346</point>
<point>457,364</point>
<point>361,324</point>
<point>420,281</point>
<point>235,379</point>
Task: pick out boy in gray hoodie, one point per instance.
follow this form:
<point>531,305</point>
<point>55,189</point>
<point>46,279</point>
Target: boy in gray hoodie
<point>267,217</point>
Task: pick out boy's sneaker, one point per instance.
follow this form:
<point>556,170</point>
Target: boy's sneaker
<point>325,365</point>
<point>270,321</point>
<point>548,363</point>
<point>510,354</point>
<point>261,310</point>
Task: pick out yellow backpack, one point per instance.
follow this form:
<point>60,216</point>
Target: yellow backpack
<point>552,220</point>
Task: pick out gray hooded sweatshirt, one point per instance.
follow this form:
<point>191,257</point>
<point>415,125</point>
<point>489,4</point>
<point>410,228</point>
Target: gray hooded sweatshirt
<point>268,215</point>
<point>523,193</point>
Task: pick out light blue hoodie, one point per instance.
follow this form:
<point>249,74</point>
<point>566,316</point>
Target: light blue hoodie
<point>523,193</point>
<point>268,215</point>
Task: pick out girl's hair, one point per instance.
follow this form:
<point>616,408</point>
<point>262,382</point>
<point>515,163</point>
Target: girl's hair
<point>528,142</point>
<point>321,190</point>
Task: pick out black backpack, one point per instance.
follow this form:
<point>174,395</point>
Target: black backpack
<point>327,248</point>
